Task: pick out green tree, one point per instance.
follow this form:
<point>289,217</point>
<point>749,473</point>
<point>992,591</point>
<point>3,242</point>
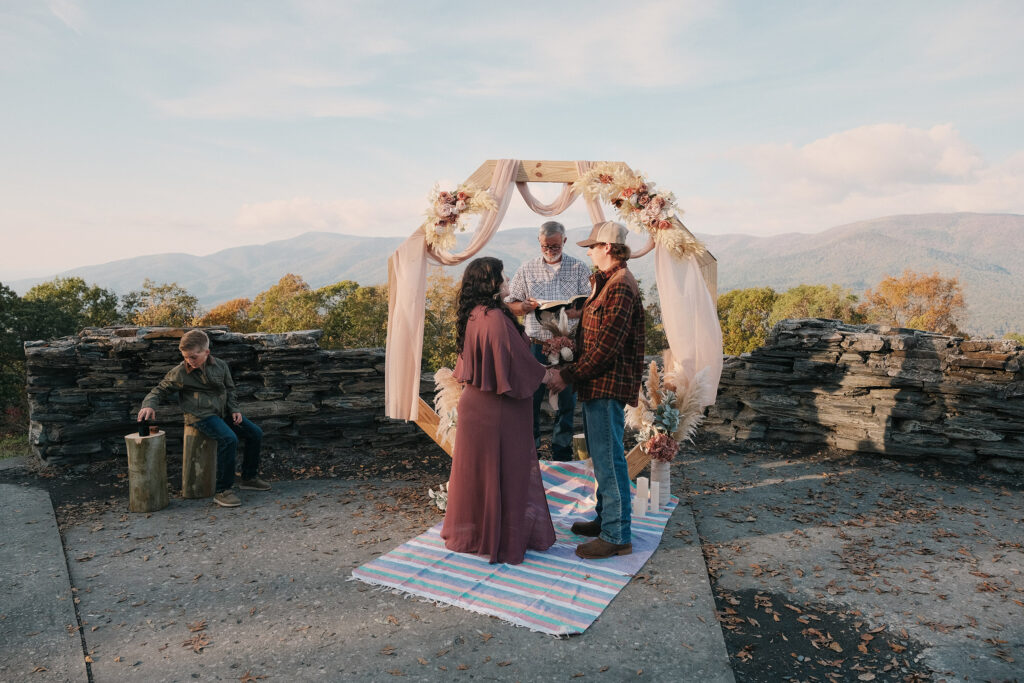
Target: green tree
<point>359,321</point>
<point>439,349</point>
<point>815,301</point>
<point>744,315</point>
<point>288,305</point>
<point>1013,336</point>
<point>160,305</point>
<point>23,320</point>
<point>655,340</point>
<point>86,305</point>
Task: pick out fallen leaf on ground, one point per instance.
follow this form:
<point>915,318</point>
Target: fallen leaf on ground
<point>197,642</point>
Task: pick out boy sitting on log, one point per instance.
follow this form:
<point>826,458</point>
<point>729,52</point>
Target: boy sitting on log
<point>205,391</point>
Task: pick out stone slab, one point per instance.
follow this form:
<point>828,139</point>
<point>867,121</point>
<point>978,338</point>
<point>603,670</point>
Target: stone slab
<point>900,546</point>
<point>39,638</point>
<point>269,584</point>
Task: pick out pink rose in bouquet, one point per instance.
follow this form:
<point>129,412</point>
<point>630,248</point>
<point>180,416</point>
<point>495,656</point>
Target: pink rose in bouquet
<point>662,447</point>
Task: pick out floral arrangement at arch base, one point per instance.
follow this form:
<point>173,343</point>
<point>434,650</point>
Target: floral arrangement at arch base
<point>448,210</point>
<point>446,404</point>
<point>640,205</point>
<point>669,409</point>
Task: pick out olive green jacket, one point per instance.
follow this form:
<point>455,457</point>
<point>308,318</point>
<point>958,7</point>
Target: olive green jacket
<point>201,393</point>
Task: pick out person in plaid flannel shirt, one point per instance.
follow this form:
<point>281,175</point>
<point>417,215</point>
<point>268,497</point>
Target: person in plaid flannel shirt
<point>551,276</point>
<point>607,374</point>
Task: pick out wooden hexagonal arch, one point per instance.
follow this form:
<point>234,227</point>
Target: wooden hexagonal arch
<point>568,172</point>
<point>411,257</point>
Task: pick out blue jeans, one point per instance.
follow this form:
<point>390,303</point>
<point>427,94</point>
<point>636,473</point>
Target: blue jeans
<point>604,422</point>
<point>227,436</point>
<point>561,435</point>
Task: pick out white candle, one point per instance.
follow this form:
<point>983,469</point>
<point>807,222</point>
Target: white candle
<point>640,502</point>
<point>655,496</point>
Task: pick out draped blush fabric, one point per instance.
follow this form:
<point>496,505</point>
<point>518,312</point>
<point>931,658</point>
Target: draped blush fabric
<point>562,202</point>
<point>644,250</point>
<point>407,282</point>
<point>690,318</point>
<point>593,204</point>
<point>497,507</point>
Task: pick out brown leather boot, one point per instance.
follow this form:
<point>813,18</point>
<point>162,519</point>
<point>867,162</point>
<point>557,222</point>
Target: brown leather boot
<point>598,549</point>
<point>591,528</point>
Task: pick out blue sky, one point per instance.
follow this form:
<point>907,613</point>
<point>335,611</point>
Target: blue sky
<point>131,128</point>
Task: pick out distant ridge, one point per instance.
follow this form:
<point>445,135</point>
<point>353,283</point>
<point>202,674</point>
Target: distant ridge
<point>983,250</point>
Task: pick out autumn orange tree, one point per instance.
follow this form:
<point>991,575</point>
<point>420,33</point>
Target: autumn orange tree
<point>918,301</point>
<point>235,314</point>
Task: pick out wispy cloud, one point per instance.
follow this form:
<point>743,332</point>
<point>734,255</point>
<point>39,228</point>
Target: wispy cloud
<point>861,173</point>
<point>876,158</point>
<point>277,93</point>
<point>286,217</point>
<point>574,48</point>
<point>69,12</point>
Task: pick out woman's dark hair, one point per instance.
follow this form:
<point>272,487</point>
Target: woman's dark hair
<point>481,286</point>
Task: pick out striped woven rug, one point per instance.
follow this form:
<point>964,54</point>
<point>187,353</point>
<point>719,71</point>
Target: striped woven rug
<point>552,591</point>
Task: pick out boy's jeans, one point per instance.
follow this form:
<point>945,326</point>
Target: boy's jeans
<point>227,436</point>
<point>604,423</point>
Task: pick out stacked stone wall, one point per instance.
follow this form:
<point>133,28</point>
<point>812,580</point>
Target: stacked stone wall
<point>878,389</point>
<point>85,391</point>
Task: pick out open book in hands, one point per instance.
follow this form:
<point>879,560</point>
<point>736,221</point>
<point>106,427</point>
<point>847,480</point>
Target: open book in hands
<point>554,305</point>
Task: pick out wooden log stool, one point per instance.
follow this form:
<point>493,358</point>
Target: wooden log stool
<point>147,472</point>
<point>198,464</point>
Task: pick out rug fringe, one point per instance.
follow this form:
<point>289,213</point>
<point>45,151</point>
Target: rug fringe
<point>378,586</point>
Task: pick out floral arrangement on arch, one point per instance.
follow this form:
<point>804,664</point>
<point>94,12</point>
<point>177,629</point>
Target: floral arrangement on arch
<point>669,410</point>
<point>641,207</point>
<point>448,210</point>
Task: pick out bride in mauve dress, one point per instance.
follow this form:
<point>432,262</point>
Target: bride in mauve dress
<point>496,502</point>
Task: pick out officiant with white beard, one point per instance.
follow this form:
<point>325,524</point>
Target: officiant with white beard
<point>551,276</point>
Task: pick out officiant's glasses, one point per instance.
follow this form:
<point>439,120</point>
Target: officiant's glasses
<point>551,247</point>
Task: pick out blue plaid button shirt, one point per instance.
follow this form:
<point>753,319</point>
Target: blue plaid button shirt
<point>536,280</point>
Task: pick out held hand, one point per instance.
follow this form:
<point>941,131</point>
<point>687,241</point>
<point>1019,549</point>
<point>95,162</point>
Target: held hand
<point>147,414</point>
<point>555,382</point>
<point>236,418</point>
<point>530,305</point>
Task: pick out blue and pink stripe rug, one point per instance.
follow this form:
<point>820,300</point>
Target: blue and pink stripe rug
<point>552,591</point>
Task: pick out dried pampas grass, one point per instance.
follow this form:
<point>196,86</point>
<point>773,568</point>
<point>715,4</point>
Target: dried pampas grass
<point>446,404</point>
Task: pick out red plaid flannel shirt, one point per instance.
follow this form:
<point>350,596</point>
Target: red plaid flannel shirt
<point>610,340</point>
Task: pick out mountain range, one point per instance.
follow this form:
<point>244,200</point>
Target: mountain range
<point>982,250</point>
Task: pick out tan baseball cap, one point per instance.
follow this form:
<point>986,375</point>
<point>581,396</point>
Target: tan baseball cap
<point>608,232</point>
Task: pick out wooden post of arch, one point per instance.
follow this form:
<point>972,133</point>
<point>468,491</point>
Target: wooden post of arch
<point>532,171</point>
